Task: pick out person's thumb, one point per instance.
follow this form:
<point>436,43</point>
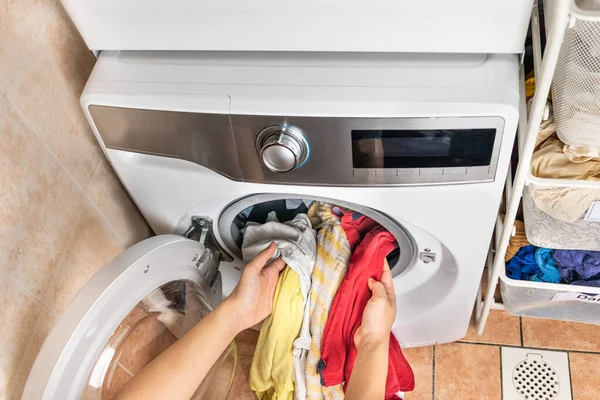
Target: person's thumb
<point>377,288</point>
<point>261,259</point>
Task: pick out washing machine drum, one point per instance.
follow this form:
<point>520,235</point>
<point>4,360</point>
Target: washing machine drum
<point>259,208</point>
<point>125,316</point>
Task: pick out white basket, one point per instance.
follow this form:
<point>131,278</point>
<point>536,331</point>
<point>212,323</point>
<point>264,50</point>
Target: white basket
<point>550,300</point>
<point>576,86</point>
<point>557,214</point>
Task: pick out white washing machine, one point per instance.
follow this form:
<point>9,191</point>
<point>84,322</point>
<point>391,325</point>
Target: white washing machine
<point>419,142</point>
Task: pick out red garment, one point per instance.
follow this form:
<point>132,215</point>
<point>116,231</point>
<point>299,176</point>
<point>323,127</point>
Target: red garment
<point>356,226</point>
<point>370,243</point>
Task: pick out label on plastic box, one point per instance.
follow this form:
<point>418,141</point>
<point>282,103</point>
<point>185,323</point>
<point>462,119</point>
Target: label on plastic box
<point>593,213</point>
<point>572,296</point>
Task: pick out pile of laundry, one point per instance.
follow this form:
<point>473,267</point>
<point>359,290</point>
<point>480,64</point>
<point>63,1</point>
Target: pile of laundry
<point>306,346</point>
<point>553,159</point>
<point>525,261</point>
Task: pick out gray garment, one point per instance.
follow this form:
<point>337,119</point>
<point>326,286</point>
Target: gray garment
<point>297,246</point>
<point>271,217</point>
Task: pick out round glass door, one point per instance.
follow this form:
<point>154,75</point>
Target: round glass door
<point>155,323</point>
<point>128,313</point>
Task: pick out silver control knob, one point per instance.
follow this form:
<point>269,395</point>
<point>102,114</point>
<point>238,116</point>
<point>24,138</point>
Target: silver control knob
<point>282,148</point>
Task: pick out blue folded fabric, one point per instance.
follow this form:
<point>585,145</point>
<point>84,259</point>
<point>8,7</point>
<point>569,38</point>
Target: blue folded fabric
<point>578,267</point>
<point>523,265</point>
<point>547,270</point>
<point>533,263</point>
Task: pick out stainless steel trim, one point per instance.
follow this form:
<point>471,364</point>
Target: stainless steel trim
<point>204,139</point>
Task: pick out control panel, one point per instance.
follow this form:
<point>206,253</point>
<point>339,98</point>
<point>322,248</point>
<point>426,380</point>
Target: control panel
<point>367,151</point>
<point>339,151</point>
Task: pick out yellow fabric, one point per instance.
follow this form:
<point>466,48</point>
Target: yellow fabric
<point>315,220</point>
<point>272,364</point>
<point>530,86</point>
<point>517,241</point>
<point>333,254</point>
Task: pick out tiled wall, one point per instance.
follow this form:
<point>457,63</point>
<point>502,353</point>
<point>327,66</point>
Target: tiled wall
<point>63,212</point>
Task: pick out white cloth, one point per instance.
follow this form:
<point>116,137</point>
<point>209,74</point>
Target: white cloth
<point>296,244</point>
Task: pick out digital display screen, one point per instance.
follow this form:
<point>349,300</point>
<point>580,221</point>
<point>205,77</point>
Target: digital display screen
<point>422,148</point>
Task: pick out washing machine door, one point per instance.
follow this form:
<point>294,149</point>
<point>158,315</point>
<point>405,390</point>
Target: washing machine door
<point>127,314</point>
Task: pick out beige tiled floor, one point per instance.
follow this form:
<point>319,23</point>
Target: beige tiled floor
<point>549,334</point>
<point>585,375</point>
<point>246,342</point>
<point>470,369</point>
<point>421,361</point>
<point>467,372</point>
<point>501,328</point>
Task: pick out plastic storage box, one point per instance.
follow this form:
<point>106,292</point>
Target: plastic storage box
<point>550,300</point>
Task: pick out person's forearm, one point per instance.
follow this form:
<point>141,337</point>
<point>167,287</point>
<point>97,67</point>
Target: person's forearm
<point>369,375</point>
<point>179,370</point>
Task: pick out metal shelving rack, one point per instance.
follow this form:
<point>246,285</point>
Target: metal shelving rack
<point>563,15</point>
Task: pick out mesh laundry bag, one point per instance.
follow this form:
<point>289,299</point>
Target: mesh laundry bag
<point>576,86</point>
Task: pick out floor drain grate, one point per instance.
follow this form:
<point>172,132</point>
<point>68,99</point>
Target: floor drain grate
<point>535,379</point>
<point>529,374</point>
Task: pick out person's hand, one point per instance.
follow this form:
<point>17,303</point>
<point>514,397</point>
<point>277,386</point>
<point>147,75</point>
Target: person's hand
<point>252,298</point>
<point>380,312</point>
